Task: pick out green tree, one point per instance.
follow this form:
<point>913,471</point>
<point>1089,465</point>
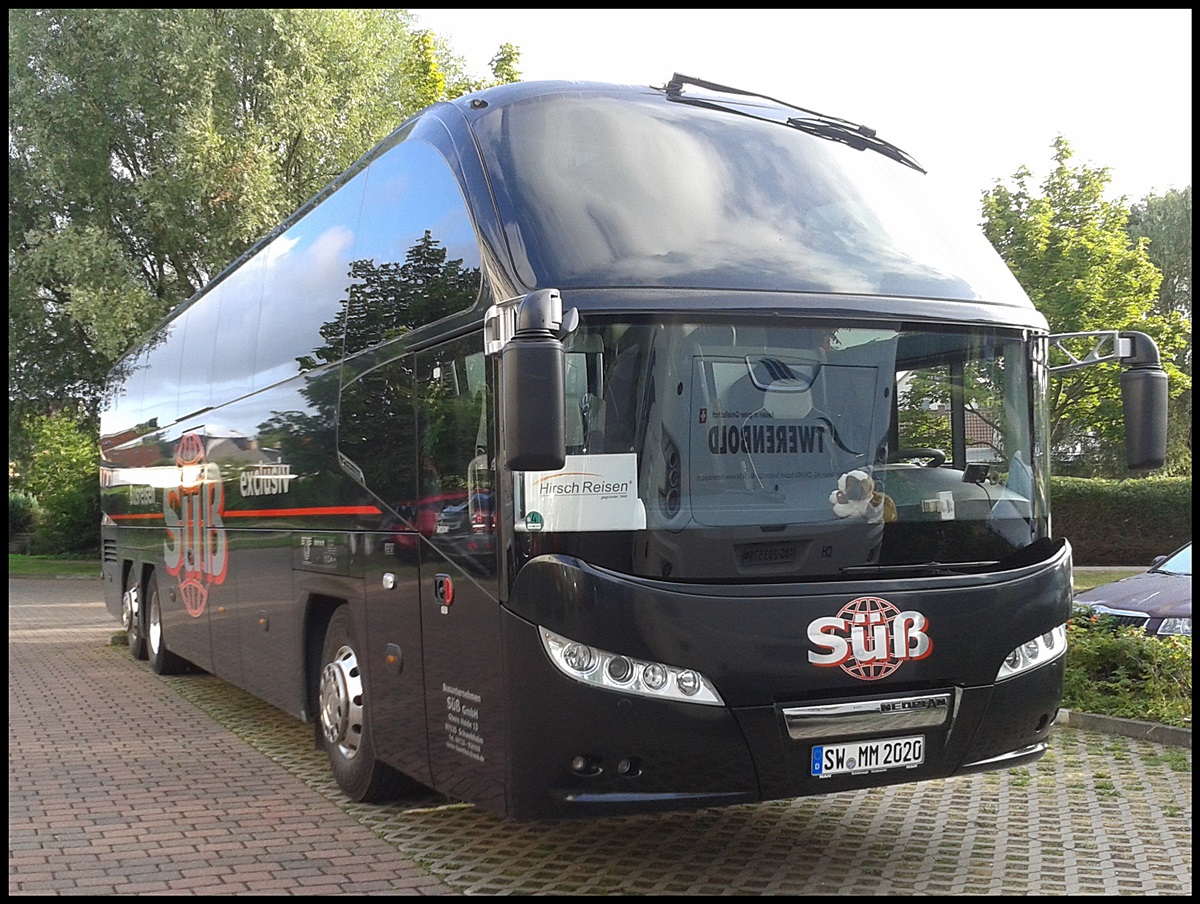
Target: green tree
<point>1069,248</point>
<point>504,64</point>
<point>61,475</point>
<point>149,148</point>
<point>1165,222</point>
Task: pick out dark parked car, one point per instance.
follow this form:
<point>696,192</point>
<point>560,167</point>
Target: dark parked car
<point>1158,600</point>
<point>474,515</point>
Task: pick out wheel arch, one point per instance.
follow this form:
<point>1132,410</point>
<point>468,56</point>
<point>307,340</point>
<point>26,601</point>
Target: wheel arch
<point>319,609</point>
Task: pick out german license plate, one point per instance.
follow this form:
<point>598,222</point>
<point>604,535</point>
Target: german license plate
<point>774,554</point>
<point>867,756</point>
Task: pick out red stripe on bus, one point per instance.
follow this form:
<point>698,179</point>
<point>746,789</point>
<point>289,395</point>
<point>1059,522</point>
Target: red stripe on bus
<point>272,513</point>
<point>285,512</point>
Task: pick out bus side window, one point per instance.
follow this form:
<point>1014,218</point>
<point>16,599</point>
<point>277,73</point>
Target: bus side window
<point>239,305</point>
<point>454,438</point>
<point>585,408</point>
<point>620,393</point>
<point>304,288</point>
<point>165,360</point>
<point>416,256</point>
<point>376,427</point>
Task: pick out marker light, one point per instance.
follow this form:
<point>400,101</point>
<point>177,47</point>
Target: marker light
<point>626,674</point>
<point>1034,653</point>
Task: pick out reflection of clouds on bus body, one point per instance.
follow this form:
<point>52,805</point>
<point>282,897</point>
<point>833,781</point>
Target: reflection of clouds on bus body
<point>305,286</point>
<point>407,193</point>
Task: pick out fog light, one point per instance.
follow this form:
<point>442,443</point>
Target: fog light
<point>585,765</point>
<point>628,766</point>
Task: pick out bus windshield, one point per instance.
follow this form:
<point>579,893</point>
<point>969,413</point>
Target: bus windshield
<point>572,177</point>
<point>746,450</point>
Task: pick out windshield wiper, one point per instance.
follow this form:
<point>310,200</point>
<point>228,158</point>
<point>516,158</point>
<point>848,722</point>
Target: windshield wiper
<point>859,137</point>
<point>833,128</point>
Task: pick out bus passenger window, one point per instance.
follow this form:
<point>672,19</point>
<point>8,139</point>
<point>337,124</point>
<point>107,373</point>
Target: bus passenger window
<point>454,439</point>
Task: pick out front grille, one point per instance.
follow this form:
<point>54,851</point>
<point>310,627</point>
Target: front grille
<point>1130,621</point>
<point>1123,618</point>
<point>856,717</point>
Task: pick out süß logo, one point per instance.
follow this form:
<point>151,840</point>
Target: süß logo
<point>869,638</point>
<point>196,549</point>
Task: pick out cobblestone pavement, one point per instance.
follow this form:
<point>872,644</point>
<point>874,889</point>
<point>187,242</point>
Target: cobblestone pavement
<point>122,782</point>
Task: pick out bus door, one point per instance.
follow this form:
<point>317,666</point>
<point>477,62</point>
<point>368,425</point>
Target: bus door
<point>459,583</point>
<point>376,443</point>
<point>397,683</point>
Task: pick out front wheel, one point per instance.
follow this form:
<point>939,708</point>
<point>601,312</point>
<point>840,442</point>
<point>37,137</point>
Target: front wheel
<point>345,717</point>
<point>162,660</point>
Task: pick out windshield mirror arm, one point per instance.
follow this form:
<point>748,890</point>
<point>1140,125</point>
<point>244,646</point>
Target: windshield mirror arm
<point>1143,389</point>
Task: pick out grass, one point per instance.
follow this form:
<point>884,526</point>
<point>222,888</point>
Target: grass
<point>1086,580</point>
<point>51,566</point>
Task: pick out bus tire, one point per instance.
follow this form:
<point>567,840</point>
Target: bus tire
<point>162,660</point>
<point>133,614</point>
<point>344,716</point>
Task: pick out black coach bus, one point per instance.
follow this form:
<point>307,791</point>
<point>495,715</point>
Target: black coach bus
<point>590,450</point>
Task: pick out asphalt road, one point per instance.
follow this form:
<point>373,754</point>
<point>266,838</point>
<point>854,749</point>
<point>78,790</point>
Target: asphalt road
<point>122,782</point>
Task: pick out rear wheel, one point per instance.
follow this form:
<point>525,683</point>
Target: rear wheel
<point>345,718</point>
<point>133,618</point>
<point>162,660</point>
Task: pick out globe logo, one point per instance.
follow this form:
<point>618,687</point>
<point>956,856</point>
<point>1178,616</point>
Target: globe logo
<point>870,611</point>
<point>869,638</point>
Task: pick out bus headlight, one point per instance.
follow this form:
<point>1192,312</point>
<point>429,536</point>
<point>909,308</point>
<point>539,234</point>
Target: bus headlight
<point>578,658</point>
<point>625,674</point>
<point>1034,653</point>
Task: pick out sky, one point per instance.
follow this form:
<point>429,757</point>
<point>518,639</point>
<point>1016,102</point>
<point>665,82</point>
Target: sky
<point>973,95</point>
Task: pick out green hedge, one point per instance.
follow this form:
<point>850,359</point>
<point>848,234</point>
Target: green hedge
<point>1122,672</point>
<point>1121,522</point>
<point>22,513</point>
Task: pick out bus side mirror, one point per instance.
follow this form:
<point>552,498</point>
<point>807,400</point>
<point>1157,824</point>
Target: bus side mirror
<point>1144,400</point>
<point>533,363</point>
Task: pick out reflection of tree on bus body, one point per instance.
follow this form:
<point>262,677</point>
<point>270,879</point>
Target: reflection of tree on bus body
<point>372,405</point>
<point>389,299</point>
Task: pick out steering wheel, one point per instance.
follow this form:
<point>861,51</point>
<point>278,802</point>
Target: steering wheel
<point>936,457</point>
